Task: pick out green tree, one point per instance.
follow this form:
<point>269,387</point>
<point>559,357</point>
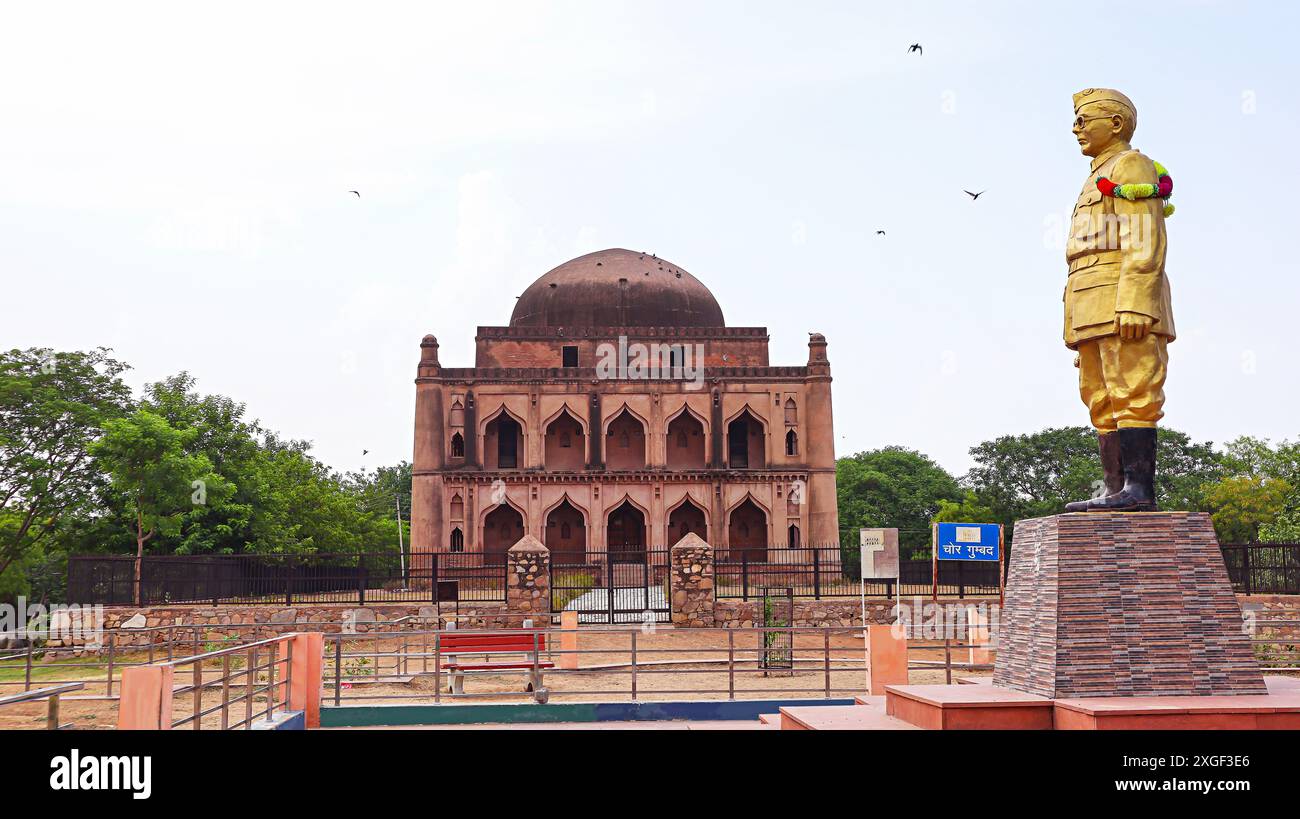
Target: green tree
<point>52,406</point>
<point>1240,505</point>
<point>1030,476</point>
<point>967,510</point>
<point>893,487</point>
<point>146,459</point>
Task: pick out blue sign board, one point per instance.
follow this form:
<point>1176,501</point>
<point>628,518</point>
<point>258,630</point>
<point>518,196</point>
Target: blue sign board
<point>967,541</point>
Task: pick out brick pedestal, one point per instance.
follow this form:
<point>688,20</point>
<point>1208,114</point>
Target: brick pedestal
<point>1122,605</point>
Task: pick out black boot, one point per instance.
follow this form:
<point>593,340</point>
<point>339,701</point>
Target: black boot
<point>1137,446</point>
<point>1112,467</point>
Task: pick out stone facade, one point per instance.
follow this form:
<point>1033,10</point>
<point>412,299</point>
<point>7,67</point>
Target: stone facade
<point>807,613</point>
<point>690,583</point>
<point>1120,605</point>
<point>536,438</point>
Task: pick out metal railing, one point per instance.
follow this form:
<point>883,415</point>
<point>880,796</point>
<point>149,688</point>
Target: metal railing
<point>831,571</point>
<point>1263,568</point>
<point>824,662</point>
<point>360,578</point>
<point>51,696</point>
<point>256,675</point>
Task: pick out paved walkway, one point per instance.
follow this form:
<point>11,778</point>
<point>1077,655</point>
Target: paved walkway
<point>593,606</point>
<point>641,725</point>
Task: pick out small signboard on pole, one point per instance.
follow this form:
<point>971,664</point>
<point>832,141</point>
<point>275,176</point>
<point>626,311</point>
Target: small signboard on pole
<point>878,560</point>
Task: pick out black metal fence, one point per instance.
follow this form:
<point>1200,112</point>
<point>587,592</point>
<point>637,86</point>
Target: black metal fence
<point>1263,568</point>
<point>630,588</point>
<point>371,577</point>
<point>384,577</point>
<point>834,571</point>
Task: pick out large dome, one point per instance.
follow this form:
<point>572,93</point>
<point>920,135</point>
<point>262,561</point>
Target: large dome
<point>617,288</point>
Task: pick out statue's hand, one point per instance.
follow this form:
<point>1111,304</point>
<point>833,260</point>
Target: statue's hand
<point>1133,326</point>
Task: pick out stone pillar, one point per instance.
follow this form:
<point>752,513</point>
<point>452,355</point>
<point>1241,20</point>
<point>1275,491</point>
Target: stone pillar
<point>818,435</point>
<point>427,533</point>
<point>690,583</point>
<point>528,583</point>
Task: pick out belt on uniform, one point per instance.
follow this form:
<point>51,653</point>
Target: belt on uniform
<point>1092,259</point>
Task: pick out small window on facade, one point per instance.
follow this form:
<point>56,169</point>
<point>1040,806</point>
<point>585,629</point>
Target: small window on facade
<point>793,536</point>
<point>791,412</point>
<point>457,446</point>
<point>457,540</point>
<point>791,443</point>
<point>570,356</point>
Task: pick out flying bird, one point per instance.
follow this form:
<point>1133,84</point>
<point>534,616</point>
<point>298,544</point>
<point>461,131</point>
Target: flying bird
<point>365,451</point>
<point>915,47</point>
<point>355,193</point>
<point>973,196</point>
<point>880,233</point>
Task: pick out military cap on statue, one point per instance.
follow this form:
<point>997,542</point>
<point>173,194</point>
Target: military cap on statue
<point>1090,95</point>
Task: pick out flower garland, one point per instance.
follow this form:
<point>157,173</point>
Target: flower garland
<point>1133,191</point>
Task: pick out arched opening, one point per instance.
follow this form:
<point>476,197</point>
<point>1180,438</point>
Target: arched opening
<point>747,532</point>
<point>457,540</point>
<point>791,412</point>
<point>457,507</point>
<point>685,442</point>
<point>625,443</point>
<point>792,536</point>
<point>791,443</point>
<point>502,443</point>
<point>745,448</point>
<point>457,414</point>
<point>566,534</point>
<point>625,534</point>
<point>686,519</point>
<point>502,529</point>
<point>566,446</point>
<point>458,446</point>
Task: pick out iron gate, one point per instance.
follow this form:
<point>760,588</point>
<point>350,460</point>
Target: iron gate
<point>633,588</point>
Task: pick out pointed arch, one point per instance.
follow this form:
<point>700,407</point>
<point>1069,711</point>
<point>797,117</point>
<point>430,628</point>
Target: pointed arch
<point>686,440</point>
<point>687,516</point>
<point>746,440</point>
<point>625,440</point>
<point>503,439</point>
<point>791,411</point>
<point>747,524</point>
<point>565,531</point>
<point>791,442</point>
<point>626,525</point>
<point>564,436</point>
<point>502,526</point>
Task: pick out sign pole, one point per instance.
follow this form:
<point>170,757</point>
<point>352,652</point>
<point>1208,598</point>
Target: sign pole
<point>934,562</point>
<point>1002,571</point>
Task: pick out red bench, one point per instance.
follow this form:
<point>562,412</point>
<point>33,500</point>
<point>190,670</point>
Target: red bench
<point>455,646</point>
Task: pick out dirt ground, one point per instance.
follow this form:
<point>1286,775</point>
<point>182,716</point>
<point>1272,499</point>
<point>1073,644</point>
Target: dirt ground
<point>671,664</point>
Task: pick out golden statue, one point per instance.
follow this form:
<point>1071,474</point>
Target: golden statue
<point>1117,308</point>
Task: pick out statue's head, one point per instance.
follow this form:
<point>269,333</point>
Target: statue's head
<point>1103,117</point>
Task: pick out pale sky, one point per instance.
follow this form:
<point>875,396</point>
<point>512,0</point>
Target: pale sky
<point>174,184</point>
